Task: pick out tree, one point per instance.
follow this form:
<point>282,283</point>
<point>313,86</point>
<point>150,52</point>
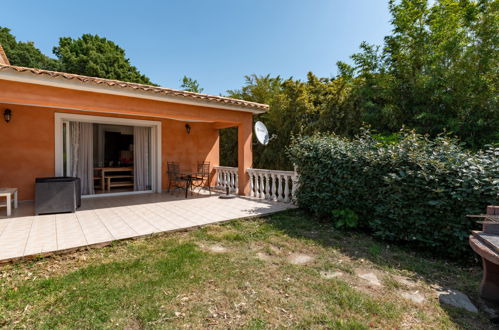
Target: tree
<point>95,56</point>
<point>191,85</point>
<point>296,108</point>
<point>436,72</point>
<point>25,53</point>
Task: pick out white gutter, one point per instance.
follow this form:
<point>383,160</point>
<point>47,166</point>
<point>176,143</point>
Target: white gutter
<point>74,84</point>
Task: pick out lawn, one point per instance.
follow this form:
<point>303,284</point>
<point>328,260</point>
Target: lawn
<point>286,270</point>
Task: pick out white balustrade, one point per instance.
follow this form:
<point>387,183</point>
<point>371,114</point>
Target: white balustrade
<point>227,177</point>
<point>264,184</point>
<point>273,184</point>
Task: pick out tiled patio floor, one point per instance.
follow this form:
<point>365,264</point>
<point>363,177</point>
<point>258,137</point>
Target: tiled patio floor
<point>105,219</point>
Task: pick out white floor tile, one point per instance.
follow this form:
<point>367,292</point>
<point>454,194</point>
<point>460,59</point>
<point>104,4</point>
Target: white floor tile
<point>110,218</point>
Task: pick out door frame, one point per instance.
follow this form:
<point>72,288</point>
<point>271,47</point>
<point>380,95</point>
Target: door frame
<point>61,118</point>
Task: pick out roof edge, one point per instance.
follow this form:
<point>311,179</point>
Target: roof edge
<point>109,86</point>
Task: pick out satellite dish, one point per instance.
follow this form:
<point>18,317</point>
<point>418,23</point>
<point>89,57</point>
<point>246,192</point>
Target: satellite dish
<point>261,132</point>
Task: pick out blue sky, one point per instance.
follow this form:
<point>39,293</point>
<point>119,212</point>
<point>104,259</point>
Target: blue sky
<point>217,42</point>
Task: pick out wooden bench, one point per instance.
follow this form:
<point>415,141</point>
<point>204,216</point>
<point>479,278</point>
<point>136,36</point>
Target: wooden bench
<point>106,171</point>
<point>110,184</point>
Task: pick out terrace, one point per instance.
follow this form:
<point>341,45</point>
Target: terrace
<point>101,220</point>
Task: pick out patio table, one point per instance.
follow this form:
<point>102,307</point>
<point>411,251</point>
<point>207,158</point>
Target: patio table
<point>11,195</point>
<point>189,177</point>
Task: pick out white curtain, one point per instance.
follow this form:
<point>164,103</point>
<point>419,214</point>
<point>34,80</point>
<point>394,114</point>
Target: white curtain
<point>81,155</point>
<point>141,145</point>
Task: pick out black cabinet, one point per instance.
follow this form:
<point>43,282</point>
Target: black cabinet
<point>57,195</point>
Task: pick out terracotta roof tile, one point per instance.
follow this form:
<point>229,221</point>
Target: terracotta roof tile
<point>135,86</point>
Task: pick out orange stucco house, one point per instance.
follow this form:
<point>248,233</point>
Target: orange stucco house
<point>45,115</point>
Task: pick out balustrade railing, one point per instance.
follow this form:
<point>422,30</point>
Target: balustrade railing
<point>273,184</point>
<point>227,177</point>
<point>265,184</point>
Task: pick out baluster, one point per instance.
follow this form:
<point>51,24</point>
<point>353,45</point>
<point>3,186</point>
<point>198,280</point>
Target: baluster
<point>236,182</point>
<point>231,181</point>
<point>231,184</point>
<point>226,180</point>
<point>262,186</point>
<point>252,193</point>
<point>221,184</point>
<point>257,185</point>
<point>294,187</point>
<point>234,179</point>
<point>279,187</point>
<point>286,189</point>
<point>274,187</point>
<point>267,187</point>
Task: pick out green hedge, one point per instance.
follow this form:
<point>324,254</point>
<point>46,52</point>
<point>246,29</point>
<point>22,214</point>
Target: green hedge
<point>409,189</point>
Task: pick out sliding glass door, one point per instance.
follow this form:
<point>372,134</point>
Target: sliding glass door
<point>108,157</point>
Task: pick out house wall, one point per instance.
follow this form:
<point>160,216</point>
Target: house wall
<point>31,94</point>
<point>27,146</point>
<point>202,144</point>
<point>29,143</point>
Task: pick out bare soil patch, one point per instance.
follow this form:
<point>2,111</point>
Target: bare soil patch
<point>300,259</point>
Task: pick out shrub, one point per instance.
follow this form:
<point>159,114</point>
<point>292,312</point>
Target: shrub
<point>412,189</point>
<point>345,218</point>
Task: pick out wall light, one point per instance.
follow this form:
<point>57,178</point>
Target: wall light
<point>188,128</point>
<point>7,115</point>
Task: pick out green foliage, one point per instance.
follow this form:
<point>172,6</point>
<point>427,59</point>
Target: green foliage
<point>191,85</point>
<point>228,147</point>
<point>296,108</point>
<point>416,190</point>
<point>88,55</point>
<point>345,218</point>
<point>95,56</point>
<point>436,72</point>
<point>25,53</point>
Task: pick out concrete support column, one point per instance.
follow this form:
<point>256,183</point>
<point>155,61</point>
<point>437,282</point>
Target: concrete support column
<point>244,153</point>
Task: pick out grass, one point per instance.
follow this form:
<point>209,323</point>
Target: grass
<point>176,280</point>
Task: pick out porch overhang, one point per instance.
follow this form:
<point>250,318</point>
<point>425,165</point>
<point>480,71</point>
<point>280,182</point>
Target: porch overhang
<point>119,88</point>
